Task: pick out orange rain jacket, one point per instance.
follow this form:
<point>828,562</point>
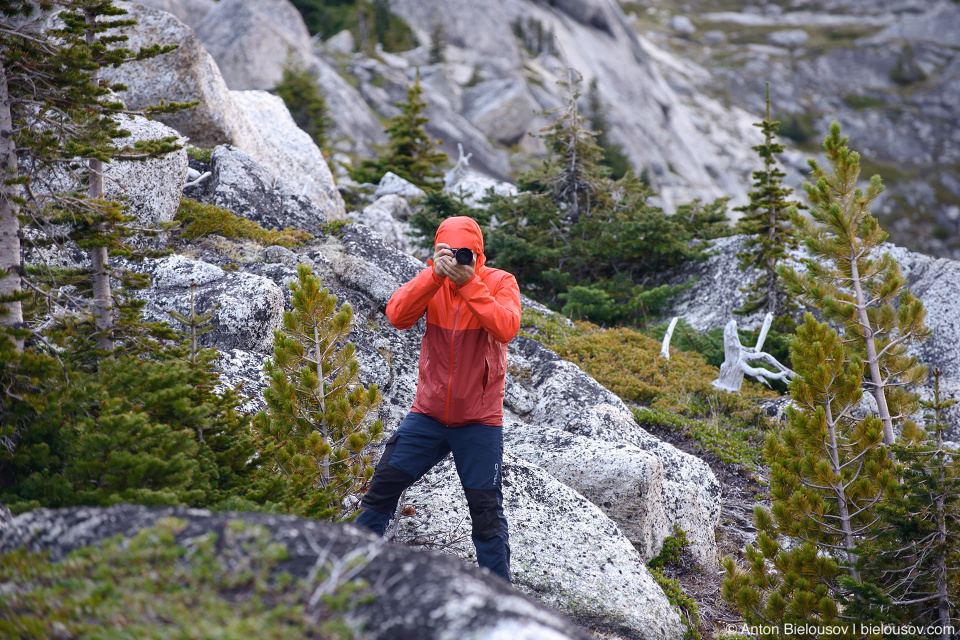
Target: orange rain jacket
<point>463,356</point>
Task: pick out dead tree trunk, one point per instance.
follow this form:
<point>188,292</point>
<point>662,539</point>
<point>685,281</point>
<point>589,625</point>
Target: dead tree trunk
<point>10,285</point>
<point>737,359</point>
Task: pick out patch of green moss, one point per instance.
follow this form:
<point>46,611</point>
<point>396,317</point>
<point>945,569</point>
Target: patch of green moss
<point>857,101</point>
<point>203,155</point>
<point>672,551</point>
<point>739,447</point>
<point>548,329</point>
<point>149,586</point>
<point>199,220</point>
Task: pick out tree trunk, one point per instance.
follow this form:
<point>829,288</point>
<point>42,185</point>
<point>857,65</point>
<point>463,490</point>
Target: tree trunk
<point>9,223</point>
<point>873,362</point>
<point>99,256</point>
<point>849,542</point>
<point>325,464</point>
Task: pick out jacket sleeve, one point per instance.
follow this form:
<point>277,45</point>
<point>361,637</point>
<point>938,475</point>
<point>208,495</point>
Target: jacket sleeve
<point>409,302</point>
<point>498,311</point>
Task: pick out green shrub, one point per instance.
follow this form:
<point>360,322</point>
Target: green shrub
<point>199,220</point>
<point>149,586</point>
<point>197,153</point>
<point>329,17</point>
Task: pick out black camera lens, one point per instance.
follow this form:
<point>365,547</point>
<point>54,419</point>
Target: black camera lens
<point>463,255</point>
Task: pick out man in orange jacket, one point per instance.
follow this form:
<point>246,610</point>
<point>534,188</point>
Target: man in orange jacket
<point>472,312</point>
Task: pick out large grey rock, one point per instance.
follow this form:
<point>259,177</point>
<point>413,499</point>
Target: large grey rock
<point>355,126</point>
<point>563,549</point>
<point>246,307</point>
<point>681,25</point>
<point>190,12</point>
<point>288,151</point>
<point>342,43</point>
<point>387,216</point>
<point>150,188</point>
<point>624,481</point>
<point>254,121</point>
<point>429,597</point>
<point>561,395</point>
<point>592,13</point>
<point>789,38</point>
<point>392,184</point>
<point>249,190</point>
<point>252,41</point>
<point>384,86</point>
<point>187,74</point>
<point>483,29</point>
<point>502,109</point>
<point>474,187</point>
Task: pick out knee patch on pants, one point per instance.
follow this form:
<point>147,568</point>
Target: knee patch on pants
<point>484,512</point>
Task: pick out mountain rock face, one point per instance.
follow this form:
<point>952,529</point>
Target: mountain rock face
<point>252,41</point>
<point>889,72</point>
<point>416,594</point>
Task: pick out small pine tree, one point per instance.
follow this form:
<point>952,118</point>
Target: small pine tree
<point>319,416</point>
<point>573,174</point>
<point>767,220</point>
<point>828,473</point>
<point>438,42</point>
<point>411,154</point>
<point>850,284</point>
<point>302,95</point>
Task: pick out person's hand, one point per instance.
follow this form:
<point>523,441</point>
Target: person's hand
<point>445,265</point>
<point>439,252</point>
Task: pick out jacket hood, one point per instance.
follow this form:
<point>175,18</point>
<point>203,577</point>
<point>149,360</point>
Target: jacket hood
<point>462,231</point>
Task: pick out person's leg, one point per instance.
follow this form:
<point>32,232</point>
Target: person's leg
<point>418,444</point>
<point>478,453</point>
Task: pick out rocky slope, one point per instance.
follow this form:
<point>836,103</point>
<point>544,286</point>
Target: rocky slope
<point>681,82</point>
<point>888,71</point>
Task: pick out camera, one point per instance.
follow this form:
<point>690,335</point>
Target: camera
<point>463,255</point>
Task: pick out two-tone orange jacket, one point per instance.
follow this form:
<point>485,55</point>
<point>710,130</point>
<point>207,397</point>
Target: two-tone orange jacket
<point>463,356</point>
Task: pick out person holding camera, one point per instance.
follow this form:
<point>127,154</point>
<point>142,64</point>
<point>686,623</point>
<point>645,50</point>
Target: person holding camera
<point>472,312</point>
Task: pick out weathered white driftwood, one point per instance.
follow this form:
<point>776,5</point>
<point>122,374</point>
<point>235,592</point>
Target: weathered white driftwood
<point>665,348</point>
<point>737,358</point>
<point>459,170</point>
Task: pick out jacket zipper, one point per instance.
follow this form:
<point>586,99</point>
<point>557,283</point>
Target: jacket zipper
<point>456,318</point>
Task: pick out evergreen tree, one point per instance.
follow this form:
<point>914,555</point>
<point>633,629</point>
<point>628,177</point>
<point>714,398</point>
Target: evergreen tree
<point>829,471</point>
<point>301,94</point>
<point>92,23</point>
<point>614,155</point>
<point>438,43</point>
<point>411,154</point>
<point>850,284</point>
<point>318,419</point>
<point>767,220</point>
<point>60,111</point>
<point>917,555</point>
<point>573,173</point>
